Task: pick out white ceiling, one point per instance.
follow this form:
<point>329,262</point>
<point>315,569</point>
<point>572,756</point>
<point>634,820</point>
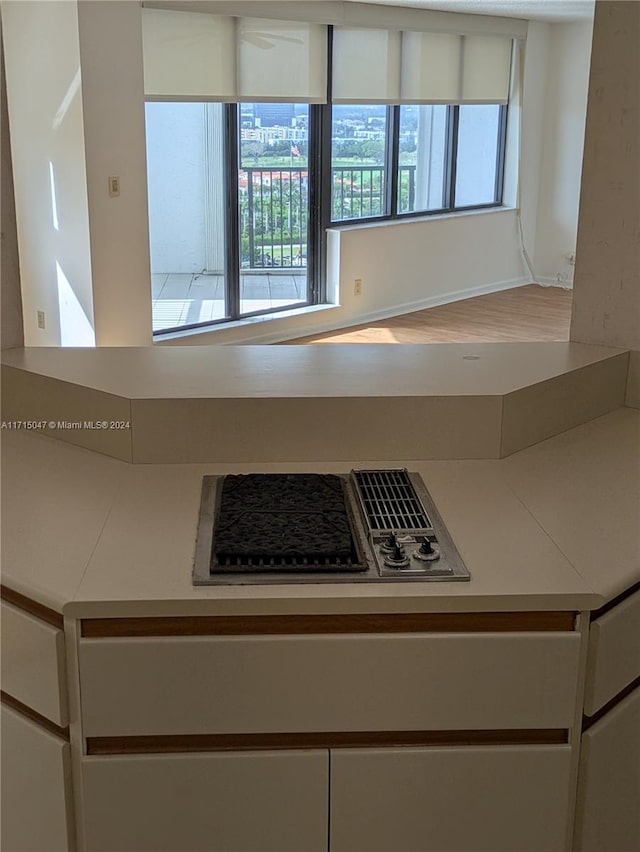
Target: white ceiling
<point>537,10</point>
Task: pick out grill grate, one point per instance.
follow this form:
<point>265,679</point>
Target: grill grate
<point>294,523</point>
<point>390,501</point>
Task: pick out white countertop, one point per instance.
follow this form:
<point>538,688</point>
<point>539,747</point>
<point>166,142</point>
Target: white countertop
<point>331,370</point>
<point>556,526</point>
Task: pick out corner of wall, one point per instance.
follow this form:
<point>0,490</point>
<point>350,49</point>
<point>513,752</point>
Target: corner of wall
<point>12,331</point>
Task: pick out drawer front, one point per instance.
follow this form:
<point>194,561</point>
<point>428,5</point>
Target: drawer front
<point>607,815</point>
<point>614,653</point>
<point>399,682</point>
<point>450,800</point>
<point>36,794</point>
<point>215,802</point>
<point>33,664</point>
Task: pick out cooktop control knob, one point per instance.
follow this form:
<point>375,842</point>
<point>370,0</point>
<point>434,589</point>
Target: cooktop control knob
<point>426,552</point>
<point>389,544</point>
<point>397,558</point>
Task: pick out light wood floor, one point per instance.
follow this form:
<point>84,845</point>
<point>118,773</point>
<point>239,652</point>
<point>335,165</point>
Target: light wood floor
<point>524,314</point>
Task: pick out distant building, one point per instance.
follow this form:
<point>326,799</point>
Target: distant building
<point>271,115</point>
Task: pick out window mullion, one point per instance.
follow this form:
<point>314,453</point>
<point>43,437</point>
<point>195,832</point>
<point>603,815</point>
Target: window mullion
<point>232,259</point>
<point>500,154</point>
<point>320,200</point>
<point>453,117</point>
<point>392,160</point>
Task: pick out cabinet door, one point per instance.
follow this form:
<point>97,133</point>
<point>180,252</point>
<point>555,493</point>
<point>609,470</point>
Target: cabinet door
<point>608,811</point>
<point>36,791</point>
<point>33,665</point>
<point>481,799</point>
<point>242,802</point>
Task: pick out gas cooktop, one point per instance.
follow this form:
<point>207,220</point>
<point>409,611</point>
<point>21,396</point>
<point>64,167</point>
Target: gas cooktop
<point>366,526</point>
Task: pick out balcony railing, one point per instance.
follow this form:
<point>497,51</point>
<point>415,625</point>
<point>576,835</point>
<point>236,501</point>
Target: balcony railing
<point>274,208</point>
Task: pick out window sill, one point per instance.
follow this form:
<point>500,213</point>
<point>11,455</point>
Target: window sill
<point>409,219</point>
<point>247,323</point>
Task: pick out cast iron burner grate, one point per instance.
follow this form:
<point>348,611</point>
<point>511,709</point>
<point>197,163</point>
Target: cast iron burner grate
<point>283,522</point>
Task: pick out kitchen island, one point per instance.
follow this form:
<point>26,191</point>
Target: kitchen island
<point>498,714</point>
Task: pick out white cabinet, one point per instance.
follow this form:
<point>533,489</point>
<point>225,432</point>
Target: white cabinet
<point>491,799</point>
<point>614,653</point>
<point>33,664</point>
<point>608,808</point>
<point>299,683</point>
<point>216,691</point>
<point>36,781</point>
<point>242,802</point>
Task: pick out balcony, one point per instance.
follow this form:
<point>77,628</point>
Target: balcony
<point>187,299</point>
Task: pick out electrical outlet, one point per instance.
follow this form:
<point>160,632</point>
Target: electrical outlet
<point>114,186</point>
<point>41,320</point>
<point>357,287</point>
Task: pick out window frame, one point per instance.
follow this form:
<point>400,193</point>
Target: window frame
<point>392,156</point>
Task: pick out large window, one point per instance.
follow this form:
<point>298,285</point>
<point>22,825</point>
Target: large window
<point>445,157</point>
<point>262,134</point>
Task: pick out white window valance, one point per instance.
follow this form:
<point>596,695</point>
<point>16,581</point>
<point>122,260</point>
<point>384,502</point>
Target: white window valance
<point>198,56</point>
<point>201,56</point>
<point>365,66</point>
<point>443,68</point>
<point>281,60</point>
<point>188,55</point>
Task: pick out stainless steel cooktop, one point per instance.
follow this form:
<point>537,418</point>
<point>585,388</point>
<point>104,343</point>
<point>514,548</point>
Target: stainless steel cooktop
<point>365,526</point>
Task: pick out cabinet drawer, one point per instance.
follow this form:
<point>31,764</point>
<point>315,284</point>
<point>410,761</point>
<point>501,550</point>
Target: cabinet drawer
<point>512,799</point>
<point>33,664</point>
<point>215,802</point>
<point>36,792</point>
<point>363,682</point>
<point>614,653</point>
<point>607,817</point>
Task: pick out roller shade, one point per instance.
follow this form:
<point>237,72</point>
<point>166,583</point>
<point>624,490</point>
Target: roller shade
<point>188,55</point>
<point>282,61</point>
<point>366,66</point>
<point>443,68</point>
<point>197,56</point>
<point>486,69</point>
<point>431,68</point>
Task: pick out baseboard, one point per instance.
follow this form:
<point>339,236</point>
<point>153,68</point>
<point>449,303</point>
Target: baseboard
<point>553,282</point>
<point>391,311</point>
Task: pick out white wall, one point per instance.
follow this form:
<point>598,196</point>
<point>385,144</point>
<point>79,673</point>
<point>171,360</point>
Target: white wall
<point>528,163</point>
<point>413,264</point>
<point>12,333</point>
<point>606,304</point>
<point>563,143</point>
<point>110,38</point>
<point>45,116</point>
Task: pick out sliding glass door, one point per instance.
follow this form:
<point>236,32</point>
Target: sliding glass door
<point>273,205</point>
<point>204,159</point>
